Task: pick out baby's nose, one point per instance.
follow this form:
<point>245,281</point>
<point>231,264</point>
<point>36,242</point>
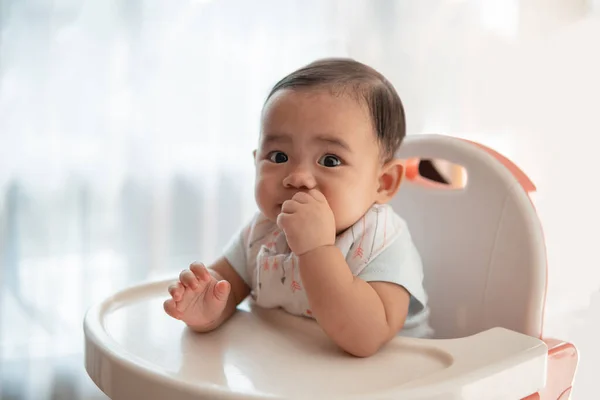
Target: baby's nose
<point>300,179</point>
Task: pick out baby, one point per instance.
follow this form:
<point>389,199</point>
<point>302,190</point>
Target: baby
<point>325,244</point>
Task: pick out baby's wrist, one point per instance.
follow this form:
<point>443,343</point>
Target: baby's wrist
<point>317,251</point>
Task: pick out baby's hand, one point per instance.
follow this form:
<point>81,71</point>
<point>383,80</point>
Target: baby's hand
<point>197,299</point>
<point>307,221</point>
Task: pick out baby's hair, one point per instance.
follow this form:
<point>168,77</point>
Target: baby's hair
<point>343,75</point>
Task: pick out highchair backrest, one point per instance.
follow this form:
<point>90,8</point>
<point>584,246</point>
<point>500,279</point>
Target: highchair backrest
<point>482,245</point>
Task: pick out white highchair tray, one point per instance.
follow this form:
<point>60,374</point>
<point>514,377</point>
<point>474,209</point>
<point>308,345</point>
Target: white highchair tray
<point>134,350</point>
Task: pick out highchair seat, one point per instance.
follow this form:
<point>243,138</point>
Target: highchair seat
<point>485,273</point>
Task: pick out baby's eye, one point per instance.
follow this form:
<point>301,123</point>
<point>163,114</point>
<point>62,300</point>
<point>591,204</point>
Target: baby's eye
<point>330,161</point>
<point>278,157</point>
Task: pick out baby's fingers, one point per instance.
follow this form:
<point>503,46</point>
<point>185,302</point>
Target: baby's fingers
<point>170,307</point>
<point>176,291</point>
<point>222,290</point>
<point>200,272</point>
<point>290,206</point>
<point>317,195</point>
<point>188,279</point>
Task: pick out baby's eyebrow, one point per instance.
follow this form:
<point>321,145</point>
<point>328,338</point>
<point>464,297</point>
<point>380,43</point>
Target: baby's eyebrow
<point>276,137</point>
<point>334,141</point>
<point>329,139</point>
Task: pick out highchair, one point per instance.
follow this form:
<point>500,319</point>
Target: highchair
<point>485,273</point>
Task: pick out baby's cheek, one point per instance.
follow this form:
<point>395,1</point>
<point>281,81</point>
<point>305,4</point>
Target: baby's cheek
<point>348,209</point>
<point>339,209</point>
<point>261,193</point>
<point>267,194</point>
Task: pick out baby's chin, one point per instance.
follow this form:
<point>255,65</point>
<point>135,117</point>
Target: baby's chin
<point>345,222</point>
<point>341,229</point>
<point>271,212</point>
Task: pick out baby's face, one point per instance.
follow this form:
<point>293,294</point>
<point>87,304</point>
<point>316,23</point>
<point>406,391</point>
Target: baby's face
<point>311,139</point>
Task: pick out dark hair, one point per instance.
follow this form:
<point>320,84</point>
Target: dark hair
<point>346,75</point>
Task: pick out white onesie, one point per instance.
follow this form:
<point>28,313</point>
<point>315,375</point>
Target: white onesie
<point>377,248</point>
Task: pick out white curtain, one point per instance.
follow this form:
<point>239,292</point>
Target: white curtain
<point>126,128</point>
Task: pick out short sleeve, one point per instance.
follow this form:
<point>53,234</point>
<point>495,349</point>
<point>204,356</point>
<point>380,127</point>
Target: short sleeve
<point>235,252</point>
<point>400,263</point>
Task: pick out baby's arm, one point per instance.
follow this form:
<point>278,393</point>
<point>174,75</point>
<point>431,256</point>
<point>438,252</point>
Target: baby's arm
<point>204,298</point>
<point>239,290</point>
<point>359,316</point>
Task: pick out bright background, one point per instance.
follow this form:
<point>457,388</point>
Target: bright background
<point>126,131</point>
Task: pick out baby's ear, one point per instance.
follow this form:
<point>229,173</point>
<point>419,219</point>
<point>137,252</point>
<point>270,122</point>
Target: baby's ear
<point>389,180</point>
